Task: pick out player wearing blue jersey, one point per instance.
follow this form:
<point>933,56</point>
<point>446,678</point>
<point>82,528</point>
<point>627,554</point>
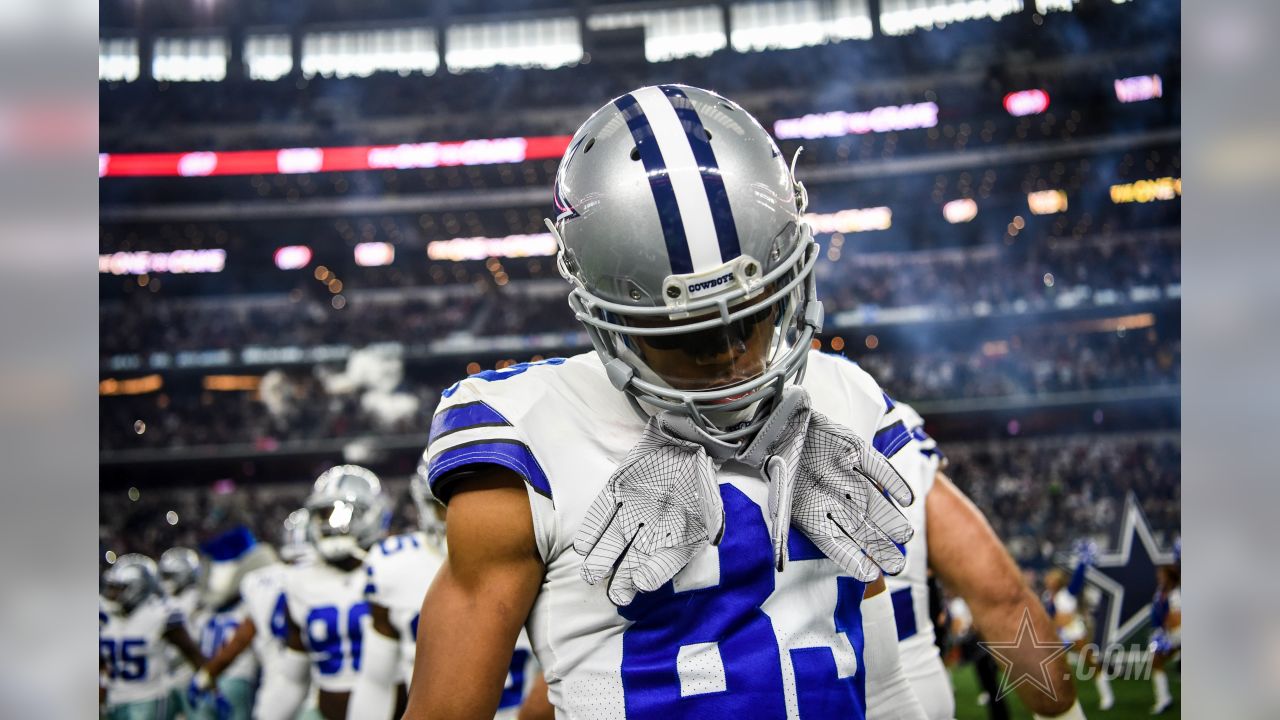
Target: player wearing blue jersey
<point>709,541</point>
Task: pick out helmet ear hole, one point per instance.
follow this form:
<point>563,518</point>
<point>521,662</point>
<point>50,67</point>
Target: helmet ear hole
<point>635,153</point>
<point>590,144</point>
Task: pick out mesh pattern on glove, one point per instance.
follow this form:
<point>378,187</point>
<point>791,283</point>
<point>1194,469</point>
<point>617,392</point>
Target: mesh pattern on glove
<point>659,509</point>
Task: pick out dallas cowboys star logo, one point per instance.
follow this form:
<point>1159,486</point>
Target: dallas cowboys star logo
<point>1025,641</point>
<point>1127,577</point>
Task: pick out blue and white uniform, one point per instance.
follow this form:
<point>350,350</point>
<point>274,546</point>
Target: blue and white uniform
<point>187,601</point>
<point>400,569</point>
<point>729,636</point>
<point>901,438</point>
<point>262,595</point>
<point>132,650</point>
<point>328,605</point>
<point>217,630</point>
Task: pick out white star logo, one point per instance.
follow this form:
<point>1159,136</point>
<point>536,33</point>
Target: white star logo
<point>1026,640</point>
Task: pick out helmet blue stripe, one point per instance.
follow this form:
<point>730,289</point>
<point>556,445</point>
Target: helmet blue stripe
<point>664,195</point>
<point>712,181</point>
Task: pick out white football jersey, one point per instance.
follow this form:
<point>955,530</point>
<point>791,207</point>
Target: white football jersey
<point>217,630</point>
<point>729,636</point>
<point>399,569</point>
<point>132,649</point>
<point>328,605</point>
<point>262,592</point>
<point>901,438</point>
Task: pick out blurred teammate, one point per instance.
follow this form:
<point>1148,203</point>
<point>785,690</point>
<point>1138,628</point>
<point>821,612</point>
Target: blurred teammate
<point>327,617</point>
<point>1166,635</point>
<point>136,622</point>
<point>1063,601</point>
<point>674,549</point>
<point>954,540</point>
<point>400,569</point>
<point>180,578</point>
<point>264,627</point>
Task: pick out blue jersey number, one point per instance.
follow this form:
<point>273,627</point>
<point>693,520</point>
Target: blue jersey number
<point>217,631</point>
<point>396,543</point>
<point>280,619</point>
<point>324,637</point>
<point>126,659</point>
<point>724,624</point>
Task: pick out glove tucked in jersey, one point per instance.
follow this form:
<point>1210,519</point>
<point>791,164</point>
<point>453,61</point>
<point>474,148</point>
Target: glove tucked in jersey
<point>662,505</point>
<point>658,510</point>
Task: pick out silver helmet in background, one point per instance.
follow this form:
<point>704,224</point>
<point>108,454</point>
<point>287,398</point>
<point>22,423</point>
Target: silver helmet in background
<point>179,569</point>
<point>294,543</point>
<point>347,512</point>
<point>429,511</point>
<point>130,581</point>
<point>681,231</point>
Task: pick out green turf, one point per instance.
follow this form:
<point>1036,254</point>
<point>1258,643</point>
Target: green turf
<point>1133,698</point>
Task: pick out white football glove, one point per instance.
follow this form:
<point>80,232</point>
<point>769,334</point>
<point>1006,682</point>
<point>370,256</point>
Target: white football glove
<point>840,504</point>
<point>659,509</point>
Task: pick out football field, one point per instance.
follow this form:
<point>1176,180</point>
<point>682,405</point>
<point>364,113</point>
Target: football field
<point>1133,698</point>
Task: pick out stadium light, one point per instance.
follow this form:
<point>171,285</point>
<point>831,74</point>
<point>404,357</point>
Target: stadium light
<point>375,254</point>
<point>178,262</point>
<point>850,221</point>
<point>405,156</point>
<point>960,211</point>
<point>1139,88</point>
<point>293,257</point>
<point>1047,202</point>
<point>878,120</point>
<point>1026,102</point>
<point>480,248</point>
<point>1145,191</point>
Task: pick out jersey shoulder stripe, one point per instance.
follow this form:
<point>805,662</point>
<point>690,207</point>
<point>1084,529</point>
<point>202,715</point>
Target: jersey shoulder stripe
<point>494,418</point>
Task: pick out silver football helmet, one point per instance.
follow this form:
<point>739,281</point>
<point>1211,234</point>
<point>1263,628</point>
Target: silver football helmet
<point>130,581</point>
<point>428,509</point>
<point>681,231</point>
<point>347,512</point>
<point>179,569</point>
<point>294,543</point>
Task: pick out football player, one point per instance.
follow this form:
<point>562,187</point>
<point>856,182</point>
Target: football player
<point>1166,635</point>
<point>687,520</point>
<point>399,570</point>
<point>953,540</point>
<point>136,622</point>
<point>180,579</point>
<point>327,617</point>
<point>264,627</point>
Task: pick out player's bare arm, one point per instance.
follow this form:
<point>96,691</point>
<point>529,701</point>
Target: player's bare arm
<point>380,619</point>
<point>177,636</point>
<point>480,599</point>
<point>966,554</point>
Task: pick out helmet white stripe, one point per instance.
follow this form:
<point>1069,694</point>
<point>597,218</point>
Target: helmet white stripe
<point>686,179</point>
